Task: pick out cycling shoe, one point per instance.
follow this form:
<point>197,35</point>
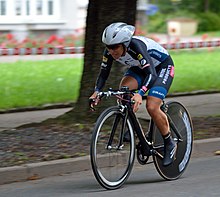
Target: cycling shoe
<point>169,152</point>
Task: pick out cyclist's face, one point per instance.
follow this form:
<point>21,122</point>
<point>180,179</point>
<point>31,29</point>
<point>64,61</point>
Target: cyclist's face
<point>116,50</point>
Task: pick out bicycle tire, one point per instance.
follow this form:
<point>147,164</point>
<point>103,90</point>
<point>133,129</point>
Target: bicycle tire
<point>182,120</point>
<point>111,167</point>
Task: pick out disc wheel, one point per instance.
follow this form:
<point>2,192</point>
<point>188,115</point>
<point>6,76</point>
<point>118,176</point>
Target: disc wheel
<point>183,123</point>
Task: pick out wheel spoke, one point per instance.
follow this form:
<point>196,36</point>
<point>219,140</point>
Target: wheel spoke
<point>112,160</point>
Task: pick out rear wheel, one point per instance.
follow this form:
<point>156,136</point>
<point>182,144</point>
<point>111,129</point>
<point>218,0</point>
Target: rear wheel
<point>183,123</point>
<point>112,160</point>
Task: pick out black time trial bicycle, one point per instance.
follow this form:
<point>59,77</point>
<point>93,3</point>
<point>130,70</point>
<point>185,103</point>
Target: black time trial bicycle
<point>112,157</point>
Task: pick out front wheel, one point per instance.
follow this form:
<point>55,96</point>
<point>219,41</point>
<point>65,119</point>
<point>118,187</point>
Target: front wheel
<point>183,123</point>
<point>111,158</point>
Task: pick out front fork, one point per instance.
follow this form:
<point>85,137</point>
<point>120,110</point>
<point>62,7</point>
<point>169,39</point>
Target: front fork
<point>122,114</point>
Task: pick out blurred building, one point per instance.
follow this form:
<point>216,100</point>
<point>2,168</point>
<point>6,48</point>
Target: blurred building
<point>22,17</point>
<point>61,17</point>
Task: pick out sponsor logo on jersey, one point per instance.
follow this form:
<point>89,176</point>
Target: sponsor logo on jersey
<point>158,93</point>
<point>103,65</point>
<point>143,62</point>
<point>172,71</point>
<point>155,53</point>
<point>167,74</point>
<point>104,59</point>
<point>140,57</point>
<point>162,72</point>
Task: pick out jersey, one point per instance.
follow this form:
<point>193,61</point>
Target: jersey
<point>142,52</point>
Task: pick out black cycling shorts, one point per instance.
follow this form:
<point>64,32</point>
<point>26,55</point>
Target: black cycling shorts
<point>161,86</point>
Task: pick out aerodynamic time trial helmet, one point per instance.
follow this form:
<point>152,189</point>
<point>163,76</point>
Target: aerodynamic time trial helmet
<point>118,33</point>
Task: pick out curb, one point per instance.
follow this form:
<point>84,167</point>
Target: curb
<point>40,170</point>
<point>33,171</point>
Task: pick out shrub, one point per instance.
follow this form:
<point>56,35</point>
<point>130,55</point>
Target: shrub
<point>209,22</point>
<point>157,23</point>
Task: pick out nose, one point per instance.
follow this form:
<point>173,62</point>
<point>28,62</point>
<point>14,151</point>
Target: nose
<point>112,52</point>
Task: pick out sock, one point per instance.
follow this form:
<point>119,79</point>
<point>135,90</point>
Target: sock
<point>167,138</point>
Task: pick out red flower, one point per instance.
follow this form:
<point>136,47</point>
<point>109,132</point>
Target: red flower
<point>51,39</point>
<point>9,36</point>
<point>60,40</point>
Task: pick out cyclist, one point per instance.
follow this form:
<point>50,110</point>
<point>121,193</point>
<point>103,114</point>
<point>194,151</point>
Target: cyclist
<point>150,68</point>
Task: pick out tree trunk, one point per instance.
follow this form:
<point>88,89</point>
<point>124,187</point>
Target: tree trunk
<point>100,14</point>
<point>206,6</point>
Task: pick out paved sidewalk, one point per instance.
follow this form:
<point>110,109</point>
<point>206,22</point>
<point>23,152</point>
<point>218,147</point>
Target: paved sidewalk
<point>12,120</point>
<point>197,105</point>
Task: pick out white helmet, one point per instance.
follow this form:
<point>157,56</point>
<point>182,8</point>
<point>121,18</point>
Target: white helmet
<point>118,33</point>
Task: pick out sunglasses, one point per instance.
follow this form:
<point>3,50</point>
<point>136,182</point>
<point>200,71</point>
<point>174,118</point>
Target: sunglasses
<point>113,47</point>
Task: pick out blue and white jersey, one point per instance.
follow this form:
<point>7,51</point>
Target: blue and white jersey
<point>157,53</point>
<point>142,52</point>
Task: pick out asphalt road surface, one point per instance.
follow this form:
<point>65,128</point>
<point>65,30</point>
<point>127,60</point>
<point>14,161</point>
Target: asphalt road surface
<point>201,179</point>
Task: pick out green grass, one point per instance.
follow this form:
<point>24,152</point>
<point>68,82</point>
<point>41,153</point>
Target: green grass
<point>35,83</point>
<point>196,70</point>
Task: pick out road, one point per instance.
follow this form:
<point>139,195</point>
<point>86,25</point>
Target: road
<point>201,179</point>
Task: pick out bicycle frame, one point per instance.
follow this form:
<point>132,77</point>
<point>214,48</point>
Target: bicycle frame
<point>147,146</point>
<point>171,123</point>
<point>127,112</point>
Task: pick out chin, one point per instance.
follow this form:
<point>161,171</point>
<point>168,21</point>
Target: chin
<point>116,56</point>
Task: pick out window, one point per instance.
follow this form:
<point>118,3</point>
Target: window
<point>50,7</point>
<point>18,7</point>
<point>28,7</point>
<point>39,7</point>
<point>2,7</point>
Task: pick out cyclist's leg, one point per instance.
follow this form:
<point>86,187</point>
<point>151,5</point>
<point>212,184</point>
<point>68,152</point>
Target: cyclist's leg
<point>155,96</point>
<point>157,93</point>
<point>153,107</point>
<point>132,78</point>
<point>133,81</point>
<point>130,82</point>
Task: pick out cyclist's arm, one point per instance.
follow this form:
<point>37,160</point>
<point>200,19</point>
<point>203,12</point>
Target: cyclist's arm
<point>104,71</point>
<point>147,65</point>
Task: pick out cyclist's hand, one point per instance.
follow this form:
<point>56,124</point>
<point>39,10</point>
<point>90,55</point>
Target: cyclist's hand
<point>93,101</point>
<point>137,98</point>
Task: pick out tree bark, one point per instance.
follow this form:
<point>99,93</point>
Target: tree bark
<point>100,14</point>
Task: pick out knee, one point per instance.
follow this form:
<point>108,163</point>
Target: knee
<point>153,110</point>
<point>130,82</point>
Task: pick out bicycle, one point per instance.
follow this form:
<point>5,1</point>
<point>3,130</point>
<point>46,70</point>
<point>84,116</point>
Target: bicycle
<point>112,157</point>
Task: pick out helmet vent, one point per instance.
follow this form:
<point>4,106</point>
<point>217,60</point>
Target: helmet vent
<point>118,29</point>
